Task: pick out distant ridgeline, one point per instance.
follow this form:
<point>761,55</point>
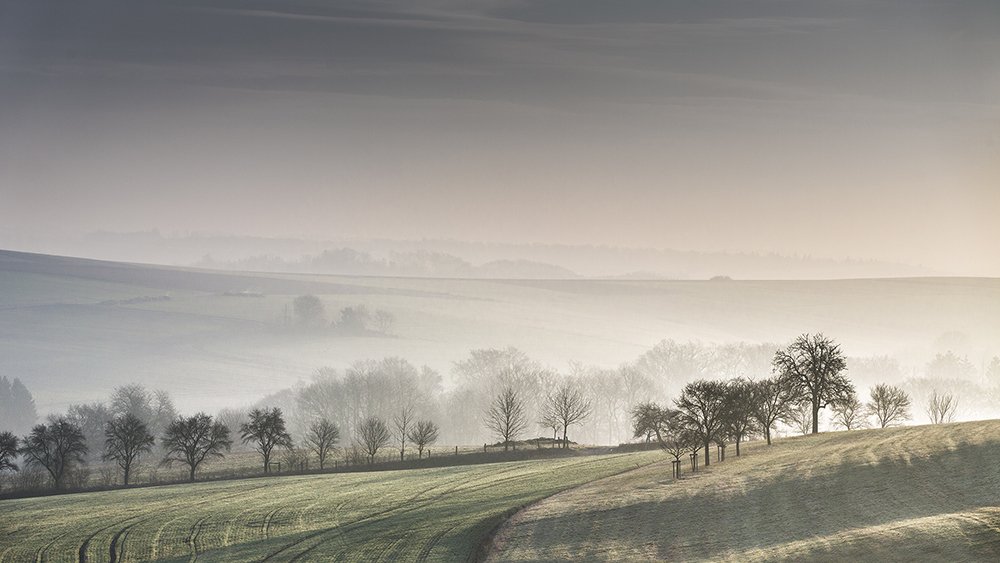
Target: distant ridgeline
<point>421,263</point>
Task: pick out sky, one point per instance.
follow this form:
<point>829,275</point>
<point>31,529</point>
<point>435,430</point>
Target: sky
<point>830,128</point>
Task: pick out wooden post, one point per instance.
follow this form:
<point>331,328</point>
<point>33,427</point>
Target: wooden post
<point>456,450</point>
<point>675,465</point>
<point>694,462</point>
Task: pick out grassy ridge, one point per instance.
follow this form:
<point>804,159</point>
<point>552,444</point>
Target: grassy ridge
<point>420,515</point>
<point>928,493</point>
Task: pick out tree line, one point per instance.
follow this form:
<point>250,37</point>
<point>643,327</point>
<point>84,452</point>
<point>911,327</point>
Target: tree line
<point>724,393</point>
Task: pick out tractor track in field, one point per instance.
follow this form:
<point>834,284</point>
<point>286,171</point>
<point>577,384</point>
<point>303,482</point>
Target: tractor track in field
<point>265,526</point>
<point>425,551</point>
<point>40,555</point>
<point>193,538</point>
<point>113,551</point>
<point>386,514</point>
<point>382,514</point>
<point>81,553</point>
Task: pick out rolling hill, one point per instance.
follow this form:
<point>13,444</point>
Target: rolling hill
<point>73,329</point>
<point>925,493</point>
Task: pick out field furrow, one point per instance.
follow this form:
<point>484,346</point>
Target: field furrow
<point>426,515</point>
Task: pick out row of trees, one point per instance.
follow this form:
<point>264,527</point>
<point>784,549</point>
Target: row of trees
<point>809,376</point>
<point>60,444</point>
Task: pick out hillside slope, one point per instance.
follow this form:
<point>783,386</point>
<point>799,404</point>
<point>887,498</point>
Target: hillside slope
<point>926,493</point>
<point>73,329</point>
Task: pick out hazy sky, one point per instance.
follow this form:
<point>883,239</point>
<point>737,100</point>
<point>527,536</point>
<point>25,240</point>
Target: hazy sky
<point>836,128</point>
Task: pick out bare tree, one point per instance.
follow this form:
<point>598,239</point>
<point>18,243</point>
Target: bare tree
<point>321,438</point>
<point>650,420</point>
<point>801,418</point>
<point>774,399</point>
<point>56,447</point>
<point>817,365</point>
<point>8,451</point>
<point>566,407</point>
<point>383,320</point>
<point>93,421</point>
<point>739,410</point>
<point>890,405</point>
<point>373,434</point>
<point>505,417</point>
<point>265,430</point>
<point>126,438</point>
<point>849,414</point>
<point>308,309</point>
<point>423,434</point>
<point>402,424</point>
<point>942,408</point>
<point>192,440</point>
<point>702,406</point>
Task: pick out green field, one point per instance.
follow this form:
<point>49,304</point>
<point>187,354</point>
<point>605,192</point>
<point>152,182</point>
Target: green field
<point>67,348</point>
<point>418,515</point>
<point>912,494</point>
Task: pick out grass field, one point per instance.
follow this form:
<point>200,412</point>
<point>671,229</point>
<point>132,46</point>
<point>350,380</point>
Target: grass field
<point>67,348</point>
<point>926,493</point>
<point>419,515</point>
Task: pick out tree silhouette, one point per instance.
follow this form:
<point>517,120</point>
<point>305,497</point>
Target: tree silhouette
<point>323,435</point>
<point>890,405</point>
<point>817,365</point>
<point>566,407</point>
<point>505,417</point>
<point>192,440</point>
<point>702,407</point>
<point>423,434</point>
<point>126,438</point>
<point>264,431</point>
<point>373,434</point>
<point>8,451</point>
<point>56,447</point>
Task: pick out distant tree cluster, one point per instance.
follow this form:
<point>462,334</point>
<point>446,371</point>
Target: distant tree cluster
<point>17,406</point>
<point>310,311</point>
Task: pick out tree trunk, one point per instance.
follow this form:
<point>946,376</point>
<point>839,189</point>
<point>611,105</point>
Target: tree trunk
<point>815,420</point>
<point>565,443</point>
<point>708,456</point>
<point>192,473</point>
<point>737,446</point>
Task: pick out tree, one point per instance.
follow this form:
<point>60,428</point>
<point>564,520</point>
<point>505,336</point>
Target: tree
<point>154,408</point>
<point>264,431</point>
<point>321,438</point>
<point>93,421</point>
<point>383,320</point>
<point>308,309</point>
<point>17,406</point>
<point>650,420</point>
<point>192,440</point>
<point>890,405</point>
<point>942,408</point>
<point>817,365</point>
<point>850,413</point>
<point>423,434</point>
<point>739,410</point>
<point>126,438</point>
<point>402,424</point>
<point>702,406</point>
<point>373,434</point>
<point>773,401</point>
<point>56,447</point>
<point>355,319</point>
<point>566,407</point>
<point>8,451</point>
<point>505,417</point>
